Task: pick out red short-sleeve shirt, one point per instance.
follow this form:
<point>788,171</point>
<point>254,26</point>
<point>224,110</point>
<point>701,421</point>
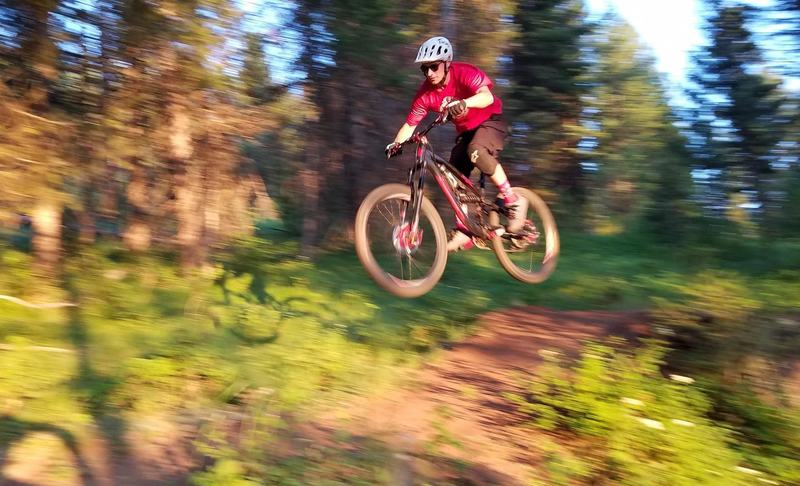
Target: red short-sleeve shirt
<point>465,80</point>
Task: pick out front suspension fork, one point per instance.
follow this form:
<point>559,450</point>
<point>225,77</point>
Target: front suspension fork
<point>411,215</point>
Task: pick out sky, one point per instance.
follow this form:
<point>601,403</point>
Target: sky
<point>670,27</point>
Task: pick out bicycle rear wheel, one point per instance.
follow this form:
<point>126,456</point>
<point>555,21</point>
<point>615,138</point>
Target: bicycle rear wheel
<point>530,255</point>
<point>404,262</point>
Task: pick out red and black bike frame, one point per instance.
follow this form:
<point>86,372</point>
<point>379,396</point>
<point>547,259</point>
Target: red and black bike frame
<point>426,161</point>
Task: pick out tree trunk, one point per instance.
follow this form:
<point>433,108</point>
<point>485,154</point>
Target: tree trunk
<point>238,198</point>
<point>190,216</point>
<point>188,188</point>
<point>88,228</point>
<point>108,207</point>
<point>356,147</point>
<point>212,209</point>
<point>264,205</point>
<point>47,236</point>
<point>308,239</point>
<point>448,21</point>
<point>87,219</point>
<point>137,235</point>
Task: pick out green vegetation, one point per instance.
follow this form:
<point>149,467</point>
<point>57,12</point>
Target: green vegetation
<point>259,342</point>
<point>187,173</point>
<point>617,419</point>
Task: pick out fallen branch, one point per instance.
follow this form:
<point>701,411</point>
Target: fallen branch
<point>36,117</point>
<point>21,302</point>
<point>46,349</point>
<point>27,161</point>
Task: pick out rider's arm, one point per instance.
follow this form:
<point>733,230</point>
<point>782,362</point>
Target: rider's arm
<point>405,131</point>
<point>481,99</point>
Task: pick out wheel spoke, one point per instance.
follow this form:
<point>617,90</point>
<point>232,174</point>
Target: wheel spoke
<point>526,258</point>
<point>413,262</point>
<point>388,219</point>
<point>530,267</point>
<point>402,259</point>
<point>402,269</point>
<point>400,204</point>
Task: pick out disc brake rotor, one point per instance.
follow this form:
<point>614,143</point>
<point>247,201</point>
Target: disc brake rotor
<point>405,240</point>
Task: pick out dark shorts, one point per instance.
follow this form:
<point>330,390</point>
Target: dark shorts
<point>488,139</point>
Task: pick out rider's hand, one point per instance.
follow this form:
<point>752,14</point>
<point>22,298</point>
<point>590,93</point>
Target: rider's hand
<point>393,149</point>
<point>457,108</point>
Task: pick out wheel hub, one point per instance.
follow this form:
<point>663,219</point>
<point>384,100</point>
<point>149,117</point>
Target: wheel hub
<point>406,240</point>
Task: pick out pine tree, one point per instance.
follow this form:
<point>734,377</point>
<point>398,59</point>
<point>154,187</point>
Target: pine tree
<point>34,146</point>
<point>786,14</point>
<point>546,72</point>
<point>255,76</point>
<point>738,103</point>
<point>483,33</point>
<point>349,57</point>
<point>642,169</point>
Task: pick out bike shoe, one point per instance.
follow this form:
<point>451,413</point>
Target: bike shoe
<point>459,241</point>
<point>516,212</point>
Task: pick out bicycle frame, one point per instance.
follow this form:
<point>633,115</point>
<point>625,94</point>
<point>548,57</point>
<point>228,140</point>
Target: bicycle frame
<point>404,267</point>
<point>426,160</point>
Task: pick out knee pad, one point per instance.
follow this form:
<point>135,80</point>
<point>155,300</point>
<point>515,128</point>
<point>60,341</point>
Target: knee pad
<point>482,159</point>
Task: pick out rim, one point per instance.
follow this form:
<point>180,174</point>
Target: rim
<point>536,246</point>
<point>406,257</point>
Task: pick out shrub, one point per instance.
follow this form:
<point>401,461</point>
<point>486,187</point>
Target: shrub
<point>632,425</point>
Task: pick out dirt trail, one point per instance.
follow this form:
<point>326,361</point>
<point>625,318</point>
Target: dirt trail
<point>458,395</point>
<point>462,391</point>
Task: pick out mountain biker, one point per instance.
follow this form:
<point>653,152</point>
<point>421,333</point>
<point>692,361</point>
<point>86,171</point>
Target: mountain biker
<point>464,91</point>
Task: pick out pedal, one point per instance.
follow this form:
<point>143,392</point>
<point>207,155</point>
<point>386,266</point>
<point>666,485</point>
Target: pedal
<point>481,244</point>
<point>518,244</point>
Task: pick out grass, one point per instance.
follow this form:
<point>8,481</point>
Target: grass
<point>147,340</point>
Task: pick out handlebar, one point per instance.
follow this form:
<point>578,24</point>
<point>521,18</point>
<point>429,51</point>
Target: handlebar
<point>440,120</point>
<point>417,137</point>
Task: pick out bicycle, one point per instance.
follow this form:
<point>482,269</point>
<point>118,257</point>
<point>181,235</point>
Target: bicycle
<point>389,219</point>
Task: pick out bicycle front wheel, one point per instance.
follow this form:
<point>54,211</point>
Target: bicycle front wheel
<point>531,254</point>
<point>407,262</point>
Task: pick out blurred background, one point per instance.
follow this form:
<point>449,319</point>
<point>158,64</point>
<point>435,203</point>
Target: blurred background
<point>179,298</point>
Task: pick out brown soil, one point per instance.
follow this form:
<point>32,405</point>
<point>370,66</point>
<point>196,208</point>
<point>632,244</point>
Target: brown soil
<point>460,394</point>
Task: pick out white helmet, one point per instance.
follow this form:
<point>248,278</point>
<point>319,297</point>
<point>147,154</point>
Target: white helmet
<point>435,49</point>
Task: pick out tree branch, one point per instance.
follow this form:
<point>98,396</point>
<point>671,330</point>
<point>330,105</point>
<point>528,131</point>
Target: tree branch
<point>27,161</point>
<point>21,302</point>
<point>47,349</point>
<point>21,112</point>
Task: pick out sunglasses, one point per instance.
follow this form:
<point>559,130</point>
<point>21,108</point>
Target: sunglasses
<point>434,66</point>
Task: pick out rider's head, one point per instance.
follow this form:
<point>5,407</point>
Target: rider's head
<point>434,57</point>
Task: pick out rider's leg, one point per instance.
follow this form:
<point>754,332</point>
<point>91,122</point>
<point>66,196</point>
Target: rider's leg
<point>483,149</point>
<point>459,241</point>
<point>518,206</point>
<point>500,180</point>
<point>458,155</point>
<point>458,158</point>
